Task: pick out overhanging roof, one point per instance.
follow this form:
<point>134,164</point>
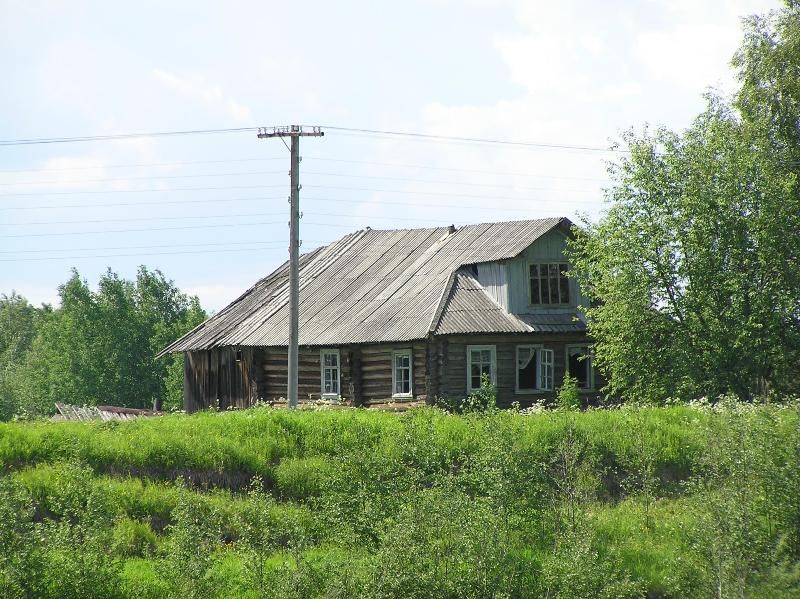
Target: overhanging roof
<point>367,287</point>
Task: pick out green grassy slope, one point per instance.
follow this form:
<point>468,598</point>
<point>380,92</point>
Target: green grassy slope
<point>660,502</point>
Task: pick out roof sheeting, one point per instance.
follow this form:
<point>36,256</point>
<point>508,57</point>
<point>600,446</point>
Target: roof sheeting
<point>369,286</point>
<point>470,309</point>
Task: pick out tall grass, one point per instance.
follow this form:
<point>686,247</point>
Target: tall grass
<point>665,502</point>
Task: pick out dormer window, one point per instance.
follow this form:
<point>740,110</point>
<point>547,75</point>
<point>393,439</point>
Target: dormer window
<point>549,283</point>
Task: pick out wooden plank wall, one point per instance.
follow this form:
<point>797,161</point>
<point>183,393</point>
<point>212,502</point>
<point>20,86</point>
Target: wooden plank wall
<point>309,384</point>
<point>366,372</point>
<point>453,372</point>
<point>216,379</point>
<point>376,366</point>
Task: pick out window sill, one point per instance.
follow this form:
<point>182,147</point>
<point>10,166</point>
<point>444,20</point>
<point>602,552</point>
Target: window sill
<point>531,391</point>
<point>402,396</point>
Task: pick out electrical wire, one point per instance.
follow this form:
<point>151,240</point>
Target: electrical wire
<point>138,254</point>
<point>144,247</point>
<point>350,130</point>
<point>137,218</point>
<point>452,169</point>
<point>156,190</point>
<point>151,177</point>
<point>136,165</point>
<point>473,140</point>
<point>120,136</point>
<point>63,233</point>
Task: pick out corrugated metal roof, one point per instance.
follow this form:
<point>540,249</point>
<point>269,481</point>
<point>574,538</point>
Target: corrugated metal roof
<point>470,309</point>
<point>369,286</point>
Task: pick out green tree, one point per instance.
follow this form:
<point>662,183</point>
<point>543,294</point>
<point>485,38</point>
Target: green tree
<point>18,324</point>
<point>99,347</point>
<point>694,270</point>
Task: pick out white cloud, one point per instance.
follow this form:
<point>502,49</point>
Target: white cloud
<point>209,94</point>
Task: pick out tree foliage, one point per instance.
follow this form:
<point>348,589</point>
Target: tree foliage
<point>98,347</point>
<point>694,269</point>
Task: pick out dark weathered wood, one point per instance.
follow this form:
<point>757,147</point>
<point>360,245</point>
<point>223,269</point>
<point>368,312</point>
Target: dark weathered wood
<point>453,377</point>
<point>356,376</point>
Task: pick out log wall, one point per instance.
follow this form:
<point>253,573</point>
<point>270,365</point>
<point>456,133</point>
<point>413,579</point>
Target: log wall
<point>451,358</point>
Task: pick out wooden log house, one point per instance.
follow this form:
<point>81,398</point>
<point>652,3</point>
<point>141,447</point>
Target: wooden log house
<point>406,315</point>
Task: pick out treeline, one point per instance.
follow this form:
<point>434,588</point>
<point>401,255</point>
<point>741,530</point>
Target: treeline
<point>97,347</point>
<point>694,270</point>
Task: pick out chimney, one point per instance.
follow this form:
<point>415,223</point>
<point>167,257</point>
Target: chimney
<point>452,229</point>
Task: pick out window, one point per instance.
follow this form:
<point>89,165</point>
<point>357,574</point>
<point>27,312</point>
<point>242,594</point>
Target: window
<point>549,283</point>
<point>579,365</point>
<point>329,360</point>
<point>481,360</point>
<point>534,368</point>
<point>401,373</point>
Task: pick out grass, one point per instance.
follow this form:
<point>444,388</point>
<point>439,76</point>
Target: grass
<point>348,503</point>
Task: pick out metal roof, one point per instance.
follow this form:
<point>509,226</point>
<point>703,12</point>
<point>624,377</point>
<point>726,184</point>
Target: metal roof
<point>369,286</point>
<point>470,309</point>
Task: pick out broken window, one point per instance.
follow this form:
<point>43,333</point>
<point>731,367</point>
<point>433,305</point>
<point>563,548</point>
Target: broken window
<point>579,365</point>
<point>534,368</point>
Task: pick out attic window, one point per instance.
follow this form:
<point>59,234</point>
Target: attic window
<point>549,283</point>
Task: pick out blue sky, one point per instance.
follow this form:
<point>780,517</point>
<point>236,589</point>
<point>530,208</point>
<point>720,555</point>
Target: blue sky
<point>210,210</point>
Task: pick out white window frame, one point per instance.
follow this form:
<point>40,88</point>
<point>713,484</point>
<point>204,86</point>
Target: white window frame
<point>541,352</point>
<point>410,355</point>
<point>492,364</point>
<point>322,354</point>
<point>590,354</point>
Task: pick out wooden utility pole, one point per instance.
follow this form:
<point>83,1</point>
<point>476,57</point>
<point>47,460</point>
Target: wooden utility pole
<point>295,132</point>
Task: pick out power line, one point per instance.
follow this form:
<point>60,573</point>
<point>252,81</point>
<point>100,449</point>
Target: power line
<point>156,190</point>
<point>442,193</point>
<point>119,136</point>
<point>151,177</point>
<point>142,204</point>
<point>354,130</point>
<point>452,169</point>
<point>138,254</point>
<point>135,165</point>
<point>137,218</point>
<point>478,140</point>
<point>248,173</point>
<point>439,181</point>
<point>261,199</point>
<point>321,158</point>
<point>144,247</point>
<point>62,233</point>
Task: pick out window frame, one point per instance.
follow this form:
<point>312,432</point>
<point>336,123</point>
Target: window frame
<point>539,266</point>
<point>540,349</point>
<point>322,353</point>
<point>492,364</point>
<point>590,357</point>
<point>403,352</point>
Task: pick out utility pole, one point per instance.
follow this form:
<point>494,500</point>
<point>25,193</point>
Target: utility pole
<point>295,132</point>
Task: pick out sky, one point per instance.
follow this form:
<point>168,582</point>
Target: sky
<point>210,211</point>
